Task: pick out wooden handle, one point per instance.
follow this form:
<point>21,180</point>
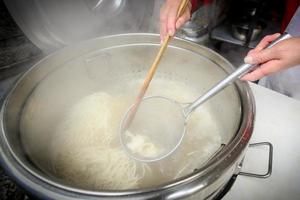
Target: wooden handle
<point>182,7</point>
<point>162,49</point>
<point>152,69</point>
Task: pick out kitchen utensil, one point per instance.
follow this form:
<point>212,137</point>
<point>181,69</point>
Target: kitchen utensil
<point>100,64</point>
<point>152,70</point>
<point>160,111</point>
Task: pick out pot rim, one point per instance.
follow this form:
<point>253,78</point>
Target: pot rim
<point>230,153</point>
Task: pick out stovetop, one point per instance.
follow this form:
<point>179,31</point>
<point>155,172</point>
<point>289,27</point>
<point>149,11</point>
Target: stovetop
<point>9,190</point>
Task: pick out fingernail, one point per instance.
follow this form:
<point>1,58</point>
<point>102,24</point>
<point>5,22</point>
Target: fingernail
<point>248,59</point>
<point>171,32</point>
<point>278,34</point>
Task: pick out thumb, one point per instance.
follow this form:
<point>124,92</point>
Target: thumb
<point>259,57</point>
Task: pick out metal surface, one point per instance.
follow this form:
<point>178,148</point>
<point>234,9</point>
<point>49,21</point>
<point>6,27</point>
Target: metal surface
<point>223,33</point>
<point>50,25</point>
<point>161,138</point>
<point>239,31</point>
<point>192,30</point>
<point>270,164</point>
<point>187,110</point>
<point>240,71</point>
<point>192,63</point>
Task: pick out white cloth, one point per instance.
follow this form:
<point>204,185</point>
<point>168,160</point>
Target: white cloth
<point>286,82</point>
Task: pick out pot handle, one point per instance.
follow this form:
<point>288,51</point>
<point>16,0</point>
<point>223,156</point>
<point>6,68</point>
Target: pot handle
<point>270,164</point>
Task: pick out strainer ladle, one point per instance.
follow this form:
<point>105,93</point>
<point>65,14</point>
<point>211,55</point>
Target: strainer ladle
<point>159,124</point>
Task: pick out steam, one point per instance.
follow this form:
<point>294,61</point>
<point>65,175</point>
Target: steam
<point>54,24</point>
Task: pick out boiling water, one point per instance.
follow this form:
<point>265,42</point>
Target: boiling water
<point>84,150</point>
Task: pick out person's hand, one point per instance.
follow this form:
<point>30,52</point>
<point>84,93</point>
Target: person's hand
<point>283,55</point>
<point>168,17</point>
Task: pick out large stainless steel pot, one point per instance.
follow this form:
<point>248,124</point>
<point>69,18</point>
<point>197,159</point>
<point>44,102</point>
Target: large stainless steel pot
<point>113,60</point>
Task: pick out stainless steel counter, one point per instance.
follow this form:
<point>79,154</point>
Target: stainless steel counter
<point>277,121</point>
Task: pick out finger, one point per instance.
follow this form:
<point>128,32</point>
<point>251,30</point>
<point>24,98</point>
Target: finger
<point>265,41</point>
<point>184,18</point>
<point>263,70</point>
<point>260,57</point>
<point>171,21</point>
<point>163,31</point>
<point>252,51</point>
<point>163,21</point>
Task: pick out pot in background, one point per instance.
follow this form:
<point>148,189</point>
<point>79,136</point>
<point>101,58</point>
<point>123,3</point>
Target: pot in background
<point>240,30</point>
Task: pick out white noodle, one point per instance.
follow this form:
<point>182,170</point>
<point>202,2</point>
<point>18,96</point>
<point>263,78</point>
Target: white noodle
<point>141,145</point>
<point>82,152</point>
<point>84,149</point>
